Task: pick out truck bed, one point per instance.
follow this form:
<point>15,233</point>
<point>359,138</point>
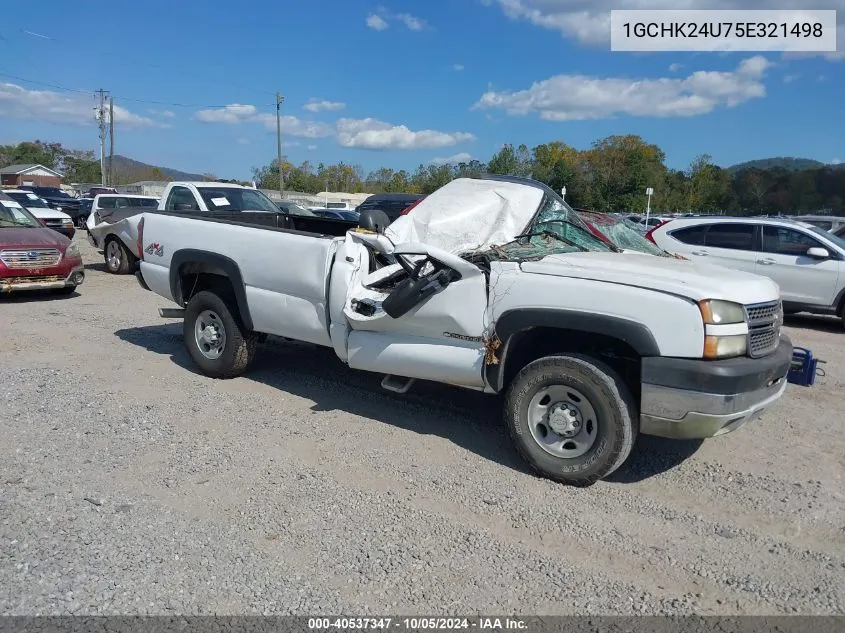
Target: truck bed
<point>305,224</point>
<point>284,272</point>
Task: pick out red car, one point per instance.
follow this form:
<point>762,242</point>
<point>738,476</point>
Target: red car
<point>33,257</point>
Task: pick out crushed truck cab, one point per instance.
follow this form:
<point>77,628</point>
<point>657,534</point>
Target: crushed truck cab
<point>492,284</point>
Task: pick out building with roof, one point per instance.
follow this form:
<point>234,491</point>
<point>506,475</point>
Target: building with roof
<point>30,175</point>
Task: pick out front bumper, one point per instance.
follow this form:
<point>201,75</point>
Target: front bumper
<point>43,282</point>
<point>67,231</point>
<point>694,399</point>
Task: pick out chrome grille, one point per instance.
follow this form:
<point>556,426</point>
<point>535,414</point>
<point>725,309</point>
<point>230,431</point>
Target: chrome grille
<point>32,258</point>
<point>54,222</point>
<point>764,323</point>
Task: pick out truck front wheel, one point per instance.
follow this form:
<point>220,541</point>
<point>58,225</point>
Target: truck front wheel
<point>215,340</point>
<point>572,418</point>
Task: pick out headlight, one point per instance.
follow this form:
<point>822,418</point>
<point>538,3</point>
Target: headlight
<point>730,344</point>
<point>725,346</point>
<point>716,312</point>
<point>72,251</point>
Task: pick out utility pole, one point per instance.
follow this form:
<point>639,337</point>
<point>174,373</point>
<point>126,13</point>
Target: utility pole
<point>101,120</point>
<point>279,100</point>
<point>111,141</point>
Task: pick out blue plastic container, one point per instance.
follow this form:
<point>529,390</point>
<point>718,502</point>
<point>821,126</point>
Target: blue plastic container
<point>804,367</point>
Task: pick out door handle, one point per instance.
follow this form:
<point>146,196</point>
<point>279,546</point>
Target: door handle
<point>702,253</point>
<point>765,262</point>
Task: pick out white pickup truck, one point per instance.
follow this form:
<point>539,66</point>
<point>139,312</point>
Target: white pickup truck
<point>492,284</point>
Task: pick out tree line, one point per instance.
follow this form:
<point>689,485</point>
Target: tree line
<point>612,175</point>
<point>76,165</point>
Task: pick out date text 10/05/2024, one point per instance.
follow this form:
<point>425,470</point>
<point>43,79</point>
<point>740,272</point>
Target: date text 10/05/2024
<point>418,623</point>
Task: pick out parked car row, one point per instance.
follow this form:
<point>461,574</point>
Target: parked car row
<point>32,256</point>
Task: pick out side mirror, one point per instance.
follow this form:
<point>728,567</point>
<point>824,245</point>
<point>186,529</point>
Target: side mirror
<point>816,252</point>
<point>374,220</point>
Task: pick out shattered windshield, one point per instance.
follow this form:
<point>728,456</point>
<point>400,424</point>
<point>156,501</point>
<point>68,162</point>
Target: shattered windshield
<point>622,233</point>
<point>556,229</point>
<point>559,218</point>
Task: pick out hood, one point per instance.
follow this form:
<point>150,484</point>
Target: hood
<point>469,214</point>
<point>63,202</point>
<point>18,238</point>
<point>48,214</point>
<point>689,279</point>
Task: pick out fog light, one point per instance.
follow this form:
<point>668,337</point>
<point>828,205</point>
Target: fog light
<point>78,278</point>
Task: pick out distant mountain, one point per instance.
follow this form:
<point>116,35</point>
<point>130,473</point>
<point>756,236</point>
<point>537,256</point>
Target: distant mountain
<point>780,162</point>
<point>127,170</point>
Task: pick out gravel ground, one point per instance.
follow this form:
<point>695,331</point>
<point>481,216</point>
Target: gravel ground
<point>130,484</point>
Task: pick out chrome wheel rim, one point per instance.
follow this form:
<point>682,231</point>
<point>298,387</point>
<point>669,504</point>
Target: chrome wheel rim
<point>563,421</point>
<point>113,255</point>
<point>210,335</point>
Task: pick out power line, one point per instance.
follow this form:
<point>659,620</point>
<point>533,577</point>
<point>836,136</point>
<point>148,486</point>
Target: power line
<point>132,99</point>
<point>41,83</point>
<point>213,78</point>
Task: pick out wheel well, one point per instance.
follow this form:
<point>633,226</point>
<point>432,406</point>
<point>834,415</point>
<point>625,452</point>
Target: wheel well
<point>529,345</point>
<point>195,277</point>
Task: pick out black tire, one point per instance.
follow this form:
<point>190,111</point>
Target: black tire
<point>239,344</point>
<point>123,261</point>
<point>616,425</point>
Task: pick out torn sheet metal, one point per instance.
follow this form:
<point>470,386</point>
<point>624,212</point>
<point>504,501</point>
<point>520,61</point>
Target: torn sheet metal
<point>469,214</point>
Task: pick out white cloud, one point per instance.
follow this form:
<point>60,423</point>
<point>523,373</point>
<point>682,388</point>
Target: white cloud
<point>463,157</point>
<point>588,21</point>
<point>354,133</point>
<point>375,22</point>
<point>458,67</point>
<point>412,22</point>
<point>17,102</point>
<point>379,20</point>
<point>836,161</point>
<point>317,105</point>
<point>243,141</point>
<point>232,113</point>
<point>167,114</point>
<point>673,68</point>
<point>788,79</point>
<point>373,134</point>
<point>311,148</point>
<point>580,97</point>
<point>237,113</point>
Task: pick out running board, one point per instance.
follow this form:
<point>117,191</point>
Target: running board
<point>172,313</point>
<point>398,384</point>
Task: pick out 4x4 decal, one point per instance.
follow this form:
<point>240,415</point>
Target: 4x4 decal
<point>155,249</point>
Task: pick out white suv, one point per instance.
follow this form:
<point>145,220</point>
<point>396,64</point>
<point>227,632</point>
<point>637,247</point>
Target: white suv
<point>808,263</point>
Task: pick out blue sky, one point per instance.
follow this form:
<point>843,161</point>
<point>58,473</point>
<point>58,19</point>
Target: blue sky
<point>398,84</point>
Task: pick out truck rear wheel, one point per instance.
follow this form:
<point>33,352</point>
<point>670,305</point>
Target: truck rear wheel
<point>217,343</point>
<point>119,261</point>
<point>572,418</point>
